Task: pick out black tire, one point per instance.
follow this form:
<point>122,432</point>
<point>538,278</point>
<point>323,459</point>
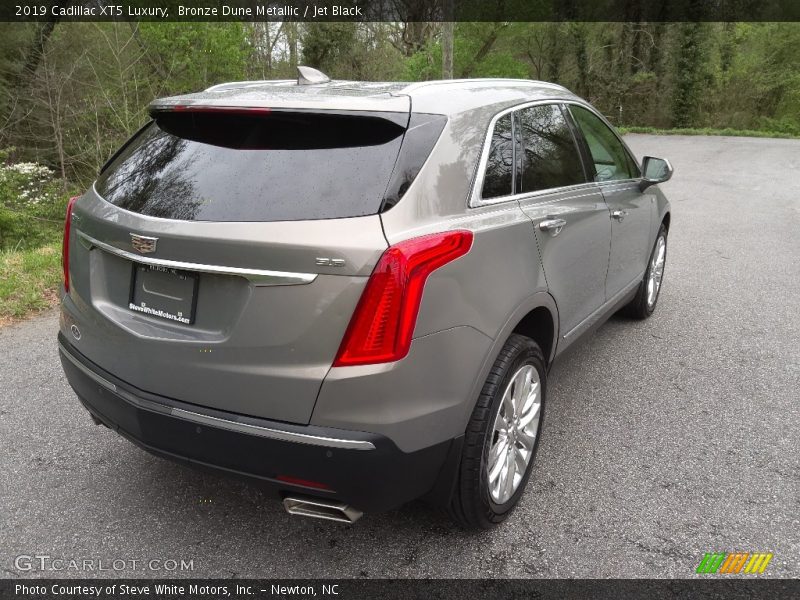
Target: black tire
<point>639,308</point>
<point>472,505</point>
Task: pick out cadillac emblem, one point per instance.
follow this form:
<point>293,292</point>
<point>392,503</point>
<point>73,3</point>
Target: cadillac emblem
<point>143,244</point>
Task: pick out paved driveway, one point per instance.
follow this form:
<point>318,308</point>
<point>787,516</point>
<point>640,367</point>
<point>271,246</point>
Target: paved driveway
<point>662,440</point>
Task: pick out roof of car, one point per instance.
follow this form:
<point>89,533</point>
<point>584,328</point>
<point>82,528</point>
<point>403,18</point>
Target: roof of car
<point>441,96</point>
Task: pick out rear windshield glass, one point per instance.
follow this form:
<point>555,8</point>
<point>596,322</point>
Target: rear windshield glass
<point>276,166</point>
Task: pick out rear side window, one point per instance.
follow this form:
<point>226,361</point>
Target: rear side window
<point>610,160</point>
<point>499,175</point>
<point>550,158</point>
<point>271,166</point>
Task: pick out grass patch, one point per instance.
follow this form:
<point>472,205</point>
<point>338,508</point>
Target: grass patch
<point>708,131</point>
<point>29,280</point>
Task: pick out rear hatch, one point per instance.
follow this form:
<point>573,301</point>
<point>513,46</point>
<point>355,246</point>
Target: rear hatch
<point>221,253</point>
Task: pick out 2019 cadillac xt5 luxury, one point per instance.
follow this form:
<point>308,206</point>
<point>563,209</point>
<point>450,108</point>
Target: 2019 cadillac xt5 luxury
<point>353,292</point>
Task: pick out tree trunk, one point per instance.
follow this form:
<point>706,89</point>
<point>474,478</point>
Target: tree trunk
<point>581,58</point>
<point>686,94</point>
<point>291,36</point>
<point>36,50</point>
<point>447,50</point>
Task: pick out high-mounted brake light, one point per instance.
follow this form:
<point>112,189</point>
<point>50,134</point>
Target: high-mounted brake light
<point>65,242</point>
<point>381,328</point>
<point>241,110</point>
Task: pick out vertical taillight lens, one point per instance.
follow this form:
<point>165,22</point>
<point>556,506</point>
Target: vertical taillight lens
<point>65,242</point>
<point>381,328</point>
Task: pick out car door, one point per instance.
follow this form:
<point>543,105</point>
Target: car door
<point>570,217</point>
<point>616,173</point>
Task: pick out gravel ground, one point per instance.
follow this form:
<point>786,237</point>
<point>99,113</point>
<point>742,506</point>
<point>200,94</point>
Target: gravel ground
<point>663,439</point>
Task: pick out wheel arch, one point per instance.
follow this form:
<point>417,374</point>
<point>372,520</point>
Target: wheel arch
<point>536,318</point>
<point>540,326</point>
<point>530,318</point>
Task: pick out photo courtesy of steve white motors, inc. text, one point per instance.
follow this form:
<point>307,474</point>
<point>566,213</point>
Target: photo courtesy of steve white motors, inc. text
<point>170,589</point>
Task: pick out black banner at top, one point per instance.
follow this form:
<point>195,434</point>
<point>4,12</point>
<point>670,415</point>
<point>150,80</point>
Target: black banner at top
<point>400,10</point>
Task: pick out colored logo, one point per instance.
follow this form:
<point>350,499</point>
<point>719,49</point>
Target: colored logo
<point>731,563</point>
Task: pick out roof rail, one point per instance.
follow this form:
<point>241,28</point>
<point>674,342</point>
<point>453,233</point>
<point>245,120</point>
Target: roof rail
<point>487,80</point>
<point>232,85</point>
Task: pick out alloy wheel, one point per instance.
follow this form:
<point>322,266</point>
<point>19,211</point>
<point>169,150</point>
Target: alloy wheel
<point>514,433</point>
<point>656,271</point>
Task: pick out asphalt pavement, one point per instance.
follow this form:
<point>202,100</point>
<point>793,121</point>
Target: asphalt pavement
<point>662,440</point>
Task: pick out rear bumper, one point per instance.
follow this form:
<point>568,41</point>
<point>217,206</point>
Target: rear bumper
<point>362,469</point>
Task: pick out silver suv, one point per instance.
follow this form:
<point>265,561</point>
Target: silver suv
<point>351,292</point>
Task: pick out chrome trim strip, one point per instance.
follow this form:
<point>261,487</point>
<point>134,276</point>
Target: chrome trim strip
<point>86,370</point>
<point>246,428</point>
<point>544,196</point>
<point>275,434</point>
<point>259,277</point>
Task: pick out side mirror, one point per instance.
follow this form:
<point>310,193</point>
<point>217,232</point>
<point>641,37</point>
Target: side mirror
<point>654,170</point>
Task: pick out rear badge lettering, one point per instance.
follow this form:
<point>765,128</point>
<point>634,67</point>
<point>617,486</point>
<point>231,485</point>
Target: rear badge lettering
<point>329,262</point>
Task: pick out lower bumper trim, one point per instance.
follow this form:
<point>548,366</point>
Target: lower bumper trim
<point>246,428</point>
<point>274,434</point>
<point>382,478</point>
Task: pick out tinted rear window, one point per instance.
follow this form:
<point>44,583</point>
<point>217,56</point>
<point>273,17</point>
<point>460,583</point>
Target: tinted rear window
<point>281,166</point>
<point>497,179</point>
<point>550,157</point>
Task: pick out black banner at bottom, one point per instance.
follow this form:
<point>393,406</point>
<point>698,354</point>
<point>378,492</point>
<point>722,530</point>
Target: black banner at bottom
<point>400,589</point>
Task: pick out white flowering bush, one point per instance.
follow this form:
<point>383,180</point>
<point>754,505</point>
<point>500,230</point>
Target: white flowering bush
<point>26,183</point>
<point>32,202</point>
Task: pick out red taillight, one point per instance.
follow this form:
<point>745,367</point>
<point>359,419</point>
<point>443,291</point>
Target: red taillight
<point>381,328</point>
<point>65,243</point>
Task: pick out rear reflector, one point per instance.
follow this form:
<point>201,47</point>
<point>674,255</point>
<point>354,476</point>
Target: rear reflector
<point>381,328</point>
<point>65,242</point>
<point>303,482</point>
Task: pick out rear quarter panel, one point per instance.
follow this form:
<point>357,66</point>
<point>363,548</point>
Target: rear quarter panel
<point>467,306</point>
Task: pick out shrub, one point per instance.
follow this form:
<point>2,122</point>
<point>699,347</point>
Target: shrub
<point>32,204</point>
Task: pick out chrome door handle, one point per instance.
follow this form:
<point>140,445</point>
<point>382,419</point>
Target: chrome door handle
<point>619,215</point>
<point>554,226</point>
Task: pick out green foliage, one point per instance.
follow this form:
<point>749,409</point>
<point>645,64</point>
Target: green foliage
<point>71,93</point>
<point>477,53</point>
<point>425,64</point>
<point>351,51</point>
<point>28,280</point>
<point>761,88</point>
<point>690,61</point>
<point>328,45</point>
<point>32,204</point>
<point>709,131</point>
<point>190,56</point>
<point>783,126</point>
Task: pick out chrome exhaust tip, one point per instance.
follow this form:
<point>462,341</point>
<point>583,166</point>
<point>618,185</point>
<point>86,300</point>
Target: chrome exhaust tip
<point>321,509</point>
